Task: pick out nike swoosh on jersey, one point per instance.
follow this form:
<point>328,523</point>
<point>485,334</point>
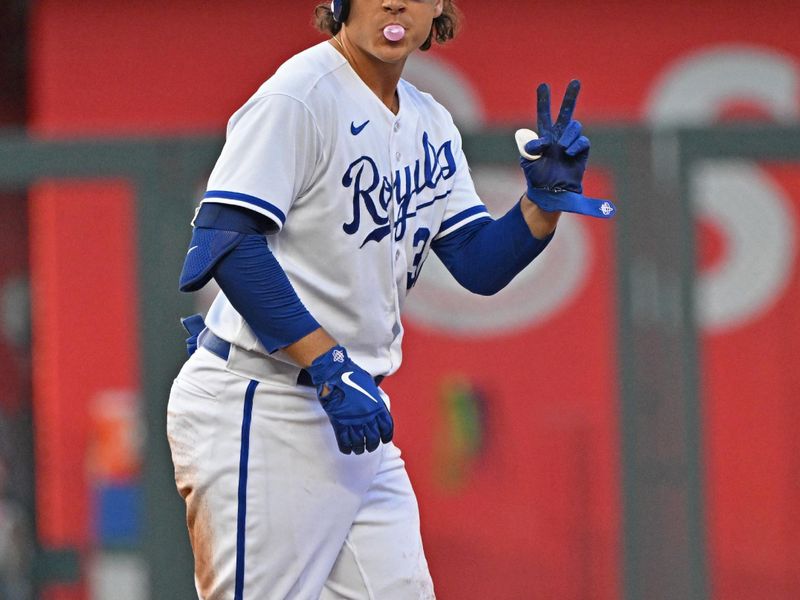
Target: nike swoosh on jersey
<point>355,386</point>
<point>356,130</point>
<point>192,248</point>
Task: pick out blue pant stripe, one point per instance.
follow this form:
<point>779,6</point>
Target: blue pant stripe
<point>244,453</point>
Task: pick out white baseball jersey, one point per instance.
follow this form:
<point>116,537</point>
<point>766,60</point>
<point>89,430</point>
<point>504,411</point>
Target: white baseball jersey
<point>356,194</point>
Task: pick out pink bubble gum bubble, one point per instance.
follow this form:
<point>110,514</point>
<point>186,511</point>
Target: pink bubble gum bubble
<point>394,33</point>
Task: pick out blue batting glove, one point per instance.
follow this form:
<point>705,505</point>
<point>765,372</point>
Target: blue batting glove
<point>555,179</point>
<point>354,405</point>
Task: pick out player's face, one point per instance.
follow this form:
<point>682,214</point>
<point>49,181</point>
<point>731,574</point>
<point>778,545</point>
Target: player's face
<point>368,18</point>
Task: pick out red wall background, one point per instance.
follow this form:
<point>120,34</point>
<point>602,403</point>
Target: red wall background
<point>536,512</point>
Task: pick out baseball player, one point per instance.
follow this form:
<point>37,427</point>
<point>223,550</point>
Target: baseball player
<point>336,180</point>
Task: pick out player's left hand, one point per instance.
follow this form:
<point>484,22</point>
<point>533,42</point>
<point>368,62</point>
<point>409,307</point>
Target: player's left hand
<point>353,402</point>
<point>554,163</point>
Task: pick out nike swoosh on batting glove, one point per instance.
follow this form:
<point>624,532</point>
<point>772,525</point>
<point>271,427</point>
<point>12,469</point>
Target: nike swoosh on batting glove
<point>555,176</point>
<point>351,399</point>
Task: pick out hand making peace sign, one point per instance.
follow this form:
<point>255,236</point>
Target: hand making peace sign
<point>555,160</point>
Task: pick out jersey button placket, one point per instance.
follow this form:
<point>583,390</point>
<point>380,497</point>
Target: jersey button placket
<point>401,147</point>
<point>396,155</point>
<point>397,254</point>
<point>396,128</point>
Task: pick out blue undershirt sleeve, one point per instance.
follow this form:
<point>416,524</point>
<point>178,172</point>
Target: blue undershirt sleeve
<point>250,275</point>
<point>258,288</point>
<point>232,218</point>
<point>485,255</point>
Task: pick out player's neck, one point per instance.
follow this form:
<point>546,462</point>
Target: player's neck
<point>381,77</point>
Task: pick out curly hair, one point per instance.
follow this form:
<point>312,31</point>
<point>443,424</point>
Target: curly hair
<point>444,27</point>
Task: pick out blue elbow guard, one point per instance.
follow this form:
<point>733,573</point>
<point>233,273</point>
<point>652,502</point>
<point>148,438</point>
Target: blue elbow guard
<point>206,249</point>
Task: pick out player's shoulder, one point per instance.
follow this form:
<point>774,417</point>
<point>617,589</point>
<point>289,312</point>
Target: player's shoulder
<point>294,88</point>
<point>302,74</point>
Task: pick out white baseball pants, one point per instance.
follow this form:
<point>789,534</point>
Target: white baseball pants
<point>274,510</point>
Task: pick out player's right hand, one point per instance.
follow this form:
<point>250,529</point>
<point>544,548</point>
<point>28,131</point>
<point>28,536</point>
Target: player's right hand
<point>353,402</point>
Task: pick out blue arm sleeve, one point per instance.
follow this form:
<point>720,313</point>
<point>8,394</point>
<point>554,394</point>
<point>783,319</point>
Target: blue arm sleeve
<point>257,287</point>
<point>249,274</point>
<point>485,255</point>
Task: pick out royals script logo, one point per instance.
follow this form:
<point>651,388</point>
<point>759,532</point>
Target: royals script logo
<point>372,192</point>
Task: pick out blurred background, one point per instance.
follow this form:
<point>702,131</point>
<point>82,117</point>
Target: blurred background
<point>621,422</point>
